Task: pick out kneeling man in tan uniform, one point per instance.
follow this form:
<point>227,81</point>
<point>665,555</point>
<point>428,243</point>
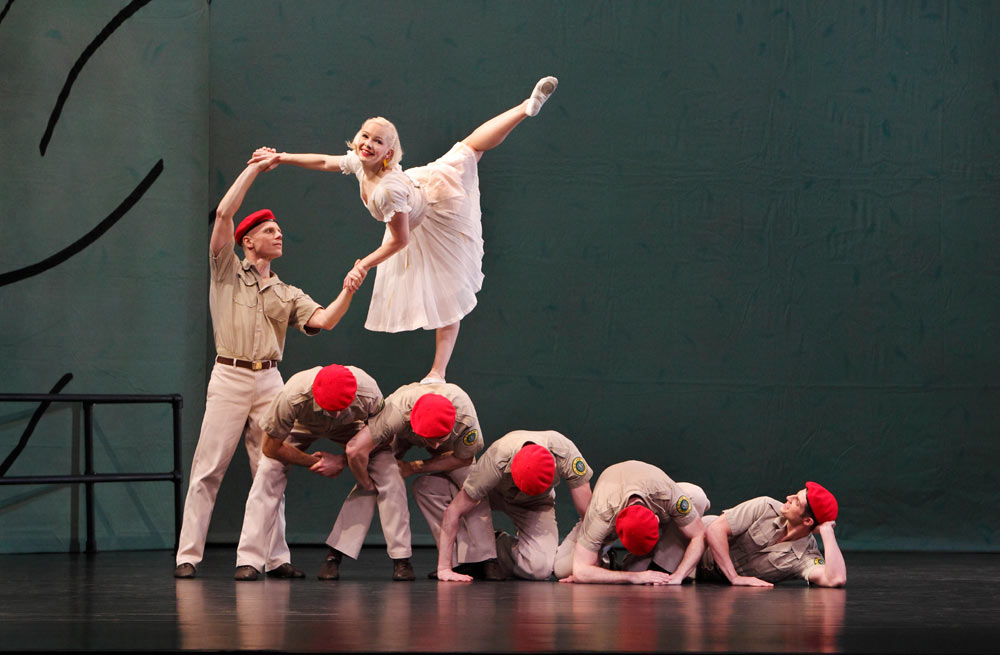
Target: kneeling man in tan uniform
<point>516,475</point>
<point>639,504</point>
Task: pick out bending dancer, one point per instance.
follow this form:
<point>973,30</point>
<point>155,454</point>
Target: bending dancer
<point>430,260</point>
<point>251,310</point>
<point>438,417</point>
<point>333,402</point>
<point>763,541</point>
<point>651,514</point>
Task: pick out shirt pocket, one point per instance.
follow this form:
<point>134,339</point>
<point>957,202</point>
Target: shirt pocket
<point>245,293</point>
<point>783,563</point>
<point>278,303</point>
<point>759,533</point>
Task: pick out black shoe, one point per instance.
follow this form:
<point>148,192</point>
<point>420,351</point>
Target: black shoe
<point>331,566</point>
<point>492,571</point>
<point>185,571</point>
<point>471,569</point>
<point>246,573</point>
<point>285,572</point>
<point>402,570</point>
<point>609,560</point>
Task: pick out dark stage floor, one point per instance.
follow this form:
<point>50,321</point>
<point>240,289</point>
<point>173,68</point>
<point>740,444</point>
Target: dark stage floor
<point>894,603</point>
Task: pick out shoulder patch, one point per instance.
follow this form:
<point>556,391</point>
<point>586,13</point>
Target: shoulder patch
<point>470,437</point>
<point>819,561</point>
<point>683,505</point>
<point>381,406</point>
<point>579,466</point>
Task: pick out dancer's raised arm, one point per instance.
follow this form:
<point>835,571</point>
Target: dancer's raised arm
<point>311,161</point>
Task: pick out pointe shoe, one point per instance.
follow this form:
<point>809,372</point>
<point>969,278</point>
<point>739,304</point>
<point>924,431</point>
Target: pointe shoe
<point>541,93</point>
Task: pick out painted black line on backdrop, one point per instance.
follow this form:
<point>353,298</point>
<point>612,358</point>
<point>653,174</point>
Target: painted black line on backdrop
<point>89,237</point>
<point>115,23</point>
<point>6,8</point>
<point>35,418</point>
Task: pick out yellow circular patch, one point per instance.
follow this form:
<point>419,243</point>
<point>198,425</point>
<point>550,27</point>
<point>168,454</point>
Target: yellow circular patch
<point>818,561</point>
<point>470,437</point>
<point>381,406</point>
<point>579,466</point>
<point>683,505</point>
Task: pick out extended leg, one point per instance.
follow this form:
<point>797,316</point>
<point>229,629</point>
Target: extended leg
<point>492,133</point>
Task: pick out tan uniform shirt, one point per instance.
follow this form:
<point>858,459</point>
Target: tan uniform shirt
<point>294,408</point>
<point>491,472</point>
<point>612,491</point>
<point>392,425</point>
<point>756,526</point>
<point>250,315</point>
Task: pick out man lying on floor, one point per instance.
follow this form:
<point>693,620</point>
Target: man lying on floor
<point>762,541</point>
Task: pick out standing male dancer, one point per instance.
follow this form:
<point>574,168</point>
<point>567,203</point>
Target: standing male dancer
<point>251,310</point>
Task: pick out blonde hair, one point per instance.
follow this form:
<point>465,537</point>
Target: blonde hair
<point>397,148</point>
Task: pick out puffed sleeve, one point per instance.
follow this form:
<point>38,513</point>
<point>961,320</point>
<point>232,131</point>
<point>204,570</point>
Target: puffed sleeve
<point>390,196</point>
<point>350,165</point>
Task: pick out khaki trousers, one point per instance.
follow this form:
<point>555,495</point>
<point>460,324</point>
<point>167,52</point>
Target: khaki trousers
<point>234,405</point>
<point>358,510</point>
<point>475,541</point>
<point>531,554</point>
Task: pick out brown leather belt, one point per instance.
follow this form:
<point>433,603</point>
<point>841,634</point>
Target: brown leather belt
<point>242,363</point>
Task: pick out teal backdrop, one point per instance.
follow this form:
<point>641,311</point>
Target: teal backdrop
<point>753,243</point>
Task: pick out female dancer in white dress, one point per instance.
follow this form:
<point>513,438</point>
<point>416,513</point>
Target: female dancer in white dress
<point>430,260</point>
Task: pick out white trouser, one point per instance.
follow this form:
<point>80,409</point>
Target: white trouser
<point>264,507</point>
<point>236,399</point>
<point>355,517</point>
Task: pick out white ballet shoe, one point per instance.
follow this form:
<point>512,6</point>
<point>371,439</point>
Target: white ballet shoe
<point>542,91</point>
<point>432,381</point>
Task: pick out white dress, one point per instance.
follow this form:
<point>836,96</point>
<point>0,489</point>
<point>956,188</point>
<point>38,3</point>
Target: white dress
<point>433,281</point>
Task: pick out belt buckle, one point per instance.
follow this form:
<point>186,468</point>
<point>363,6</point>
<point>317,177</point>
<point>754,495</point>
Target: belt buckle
<point>256,366</point>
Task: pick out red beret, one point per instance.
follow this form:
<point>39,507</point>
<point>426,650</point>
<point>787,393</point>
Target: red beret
<point>252,221</point>
<point>432,416</point>
<point>334,387</point>
<point>638,528</point>
<point>821,502</point>
<point>533,469</point>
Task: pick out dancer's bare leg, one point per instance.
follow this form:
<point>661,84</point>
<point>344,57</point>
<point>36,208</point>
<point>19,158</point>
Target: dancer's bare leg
<point>492,133</point>
<point>444,339</point>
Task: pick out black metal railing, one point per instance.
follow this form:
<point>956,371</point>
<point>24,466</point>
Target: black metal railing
<point>89,477</point>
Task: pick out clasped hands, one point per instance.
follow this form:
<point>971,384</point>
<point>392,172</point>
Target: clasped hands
<point>355,277</point>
